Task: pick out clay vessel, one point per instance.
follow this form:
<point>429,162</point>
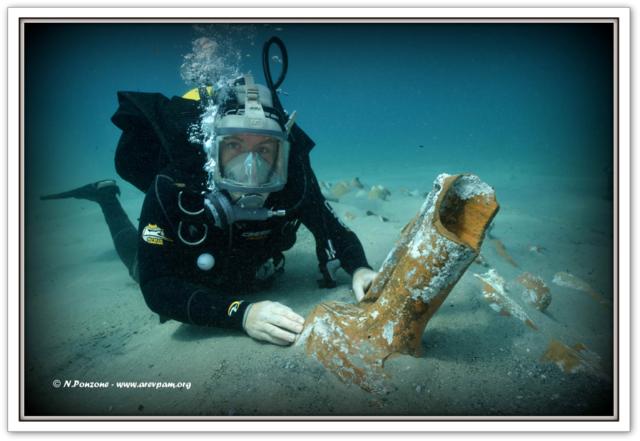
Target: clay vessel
<point>433,252</point>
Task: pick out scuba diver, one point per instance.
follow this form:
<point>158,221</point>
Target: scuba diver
<point>217,217</point>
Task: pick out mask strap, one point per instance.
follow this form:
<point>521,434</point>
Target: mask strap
<point>252,106</point>
<point>290,122</point>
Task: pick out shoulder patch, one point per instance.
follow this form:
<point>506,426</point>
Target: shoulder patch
<point>154,235</point>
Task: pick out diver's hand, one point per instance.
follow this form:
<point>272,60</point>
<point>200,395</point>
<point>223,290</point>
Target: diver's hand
<point>272,322</point>
<point>362,278</point>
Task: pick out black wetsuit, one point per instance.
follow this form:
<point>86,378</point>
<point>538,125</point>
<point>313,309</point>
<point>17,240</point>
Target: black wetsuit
<point>170,239</point>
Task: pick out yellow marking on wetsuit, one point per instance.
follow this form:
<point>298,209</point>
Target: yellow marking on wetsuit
<point>194,94</point>
<point>154,235</point>
<point>233,307</point>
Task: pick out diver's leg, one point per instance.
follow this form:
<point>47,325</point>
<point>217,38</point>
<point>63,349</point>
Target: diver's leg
<point>123,232</point>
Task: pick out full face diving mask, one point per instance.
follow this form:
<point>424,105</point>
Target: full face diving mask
<point>250,146</point>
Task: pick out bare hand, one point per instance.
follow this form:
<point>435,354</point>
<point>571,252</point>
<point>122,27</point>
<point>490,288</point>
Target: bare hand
<point>362,278</point>
<point>272,322</point>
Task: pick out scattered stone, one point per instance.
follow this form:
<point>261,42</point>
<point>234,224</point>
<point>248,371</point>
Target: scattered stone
<point>495,293</point>
<point>569,280</point>
<point>349,215</point>
<point>480,260</point>
<point>535,291</point>
<point>325,189</point>
<point>535,249</point>
<point>574,359</point>
<point>381,218</point>
<point>379,192</point>
<point>339,189</point>
<point>502,251</point>
<point>355,183</point>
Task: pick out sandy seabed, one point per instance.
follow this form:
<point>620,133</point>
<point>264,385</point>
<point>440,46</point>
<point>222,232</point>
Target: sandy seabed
<point>86,320</point>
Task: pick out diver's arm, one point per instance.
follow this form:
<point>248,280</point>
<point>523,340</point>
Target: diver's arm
<point>336,245</point>
<point>165,279</point>
<point>333,239</point>
<point>180,300</point>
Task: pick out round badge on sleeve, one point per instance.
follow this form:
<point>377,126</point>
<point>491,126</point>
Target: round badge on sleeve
<point>206,261</point>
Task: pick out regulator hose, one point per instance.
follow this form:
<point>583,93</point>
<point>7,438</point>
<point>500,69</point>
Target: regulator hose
<point>266,67</point>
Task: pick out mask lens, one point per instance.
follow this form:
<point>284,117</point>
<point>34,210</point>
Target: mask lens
<point>249,159</point>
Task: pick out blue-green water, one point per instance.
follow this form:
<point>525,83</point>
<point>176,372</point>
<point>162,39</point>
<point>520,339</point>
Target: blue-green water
<point>473,95</point>
<point>528,107</point>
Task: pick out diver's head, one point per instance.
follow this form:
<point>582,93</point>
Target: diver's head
<point>250,150</point>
